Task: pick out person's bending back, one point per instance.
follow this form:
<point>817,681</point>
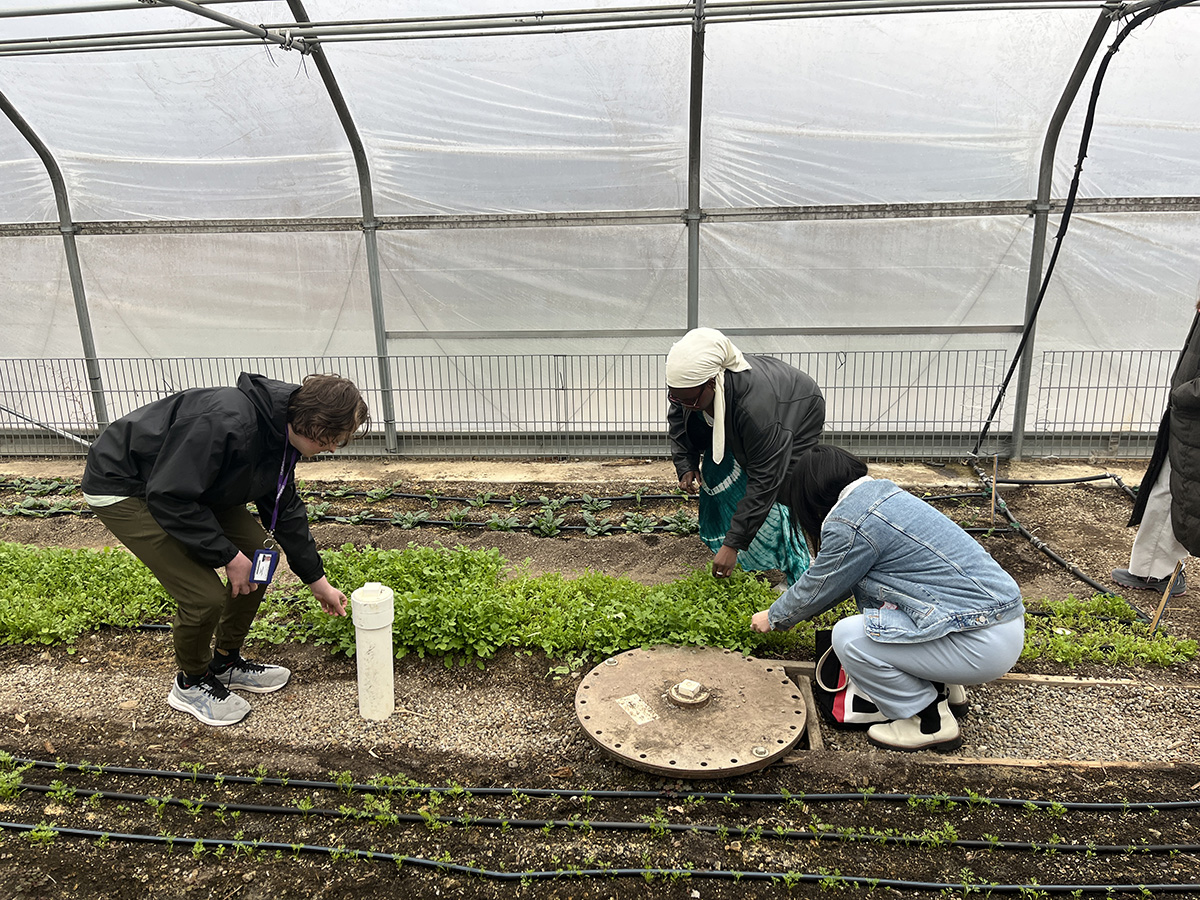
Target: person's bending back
<point>172,479</point>
<point>737,424</point>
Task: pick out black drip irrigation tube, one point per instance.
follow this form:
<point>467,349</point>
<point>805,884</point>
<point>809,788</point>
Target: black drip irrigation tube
<point>514,501</point>
<point>788,877</point>
<point>1041,545</point>
<point>573,874</point>
<point>85,768</point>
<point>1132,494</point>
<point>415,520</point>
<point>730,831</point>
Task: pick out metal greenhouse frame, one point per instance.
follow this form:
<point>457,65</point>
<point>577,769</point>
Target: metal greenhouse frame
<point>574,371</point>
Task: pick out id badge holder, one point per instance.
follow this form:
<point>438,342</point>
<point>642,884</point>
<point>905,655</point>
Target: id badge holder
<point>263,566</point>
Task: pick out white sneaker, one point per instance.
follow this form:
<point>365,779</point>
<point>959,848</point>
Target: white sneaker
<point>208,701</point>
<point>933,728</point>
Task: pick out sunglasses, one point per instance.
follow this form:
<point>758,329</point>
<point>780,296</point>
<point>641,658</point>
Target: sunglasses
<point>692,398</point>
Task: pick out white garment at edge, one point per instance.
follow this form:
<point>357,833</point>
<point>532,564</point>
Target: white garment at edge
<point>1155,548</point>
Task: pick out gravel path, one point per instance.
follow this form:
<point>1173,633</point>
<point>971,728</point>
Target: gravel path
<point>515,710</point>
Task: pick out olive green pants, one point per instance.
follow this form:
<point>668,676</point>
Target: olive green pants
<point>204,607</point>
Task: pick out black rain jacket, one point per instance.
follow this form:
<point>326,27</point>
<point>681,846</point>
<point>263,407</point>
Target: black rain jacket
<point>773,413</point>
<point>206,449</point>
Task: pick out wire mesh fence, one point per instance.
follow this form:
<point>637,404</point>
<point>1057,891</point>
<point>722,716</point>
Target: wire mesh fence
<point>880,404</point>
<point>1102,403</point>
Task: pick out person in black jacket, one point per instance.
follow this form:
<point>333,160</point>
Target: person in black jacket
<point>759,409</point>
<point>172,479</point>
<point>1167,510</point>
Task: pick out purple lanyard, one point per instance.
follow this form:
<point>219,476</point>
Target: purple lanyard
<point>285,472</point>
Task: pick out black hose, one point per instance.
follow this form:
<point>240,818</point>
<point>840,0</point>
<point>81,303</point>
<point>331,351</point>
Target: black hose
<point>570,793</point>
<point>625,826</point>
<point>1069,204</point>
<point>1035,481</point>
<point>721,874</point>
<point>732,831</point>
<point>1041,545</point>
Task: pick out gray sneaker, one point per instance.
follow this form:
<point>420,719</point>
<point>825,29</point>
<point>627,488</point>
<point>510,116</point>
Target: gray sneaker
<point>208,701</point>
<point>244,675</point>
<point>1125,578</point>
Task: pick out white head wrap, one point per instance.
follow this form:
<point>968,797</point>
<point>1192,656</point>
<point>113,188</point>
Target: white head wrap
<point>699,355</point>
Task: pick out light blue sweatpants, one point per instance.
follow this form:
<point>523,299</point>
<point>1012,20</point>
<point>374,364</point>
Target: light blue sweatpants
<point>898,677</point>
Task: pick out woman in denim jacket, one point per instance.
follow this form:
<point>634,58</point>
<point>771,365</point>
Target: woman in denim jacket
<point>936,611</point>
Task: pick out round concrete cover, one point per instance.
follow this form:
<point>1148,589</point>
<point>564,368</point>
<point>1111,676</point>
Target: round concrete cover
<point>754,714</point>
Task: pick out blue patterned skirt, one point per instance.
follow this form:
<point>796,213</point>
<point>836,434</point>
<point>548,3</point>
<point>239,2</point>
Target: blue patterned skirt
<point>776,546</point>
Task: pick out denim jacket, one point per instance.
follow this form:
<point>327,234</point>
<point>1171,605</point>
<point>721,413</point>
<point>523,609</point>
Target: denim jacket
<point>915,575</point>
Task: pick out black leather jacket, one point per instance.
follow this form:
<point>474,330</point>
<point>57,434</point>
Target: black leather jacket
<point>773,413</point>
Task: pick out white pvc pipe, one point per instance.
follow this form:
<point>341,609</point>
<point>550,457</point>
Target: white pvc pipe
<point>373,608</point>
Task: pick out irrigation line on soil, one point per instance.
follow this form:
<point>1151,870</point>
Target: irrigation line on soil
<point>1035,481</point>
<point>573,793</point>
<point>340,853</point>
<point>1045,548</point>
<point>587,825</point>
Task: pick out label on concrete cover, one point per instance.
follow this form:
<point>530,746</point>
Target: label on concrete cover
<point>637,709</point>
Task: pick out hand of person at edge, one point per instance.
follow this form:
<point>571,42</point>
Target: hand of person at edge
<point>760,622</point>
<point>237,573</point>
<point>724,562</point>
<point>690,482</point>
<point>331,599</point>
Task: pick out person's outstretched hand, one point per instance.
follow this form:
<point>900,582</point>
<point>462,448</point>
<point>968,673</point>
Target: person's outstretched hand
<point>331,599</point>
<point>724,562</point>
<point>690,482</point>
<point>760,622</point>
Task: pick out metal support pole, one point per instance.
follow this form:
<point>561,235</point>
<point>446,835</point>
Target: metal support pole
<point>370,226</point>
<point>67,227</point>
<point>283,39</point>
<point>693,215</point>
<point>1040,209</point>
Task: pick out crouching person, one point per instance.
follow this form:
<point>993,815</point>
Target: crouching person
<point>172,479</point>
<point>936,612</point>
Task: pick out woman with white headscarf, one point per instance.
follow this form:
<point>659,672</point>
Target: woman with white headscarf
<point>758,410</point>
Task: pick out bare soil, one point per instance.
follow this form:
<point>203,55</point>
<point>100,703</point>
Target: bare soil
<point>1084,524</point>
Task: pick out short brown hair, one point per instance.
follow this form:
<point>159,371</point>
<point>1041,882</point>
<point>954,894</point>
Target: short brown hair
<point>328,409</point>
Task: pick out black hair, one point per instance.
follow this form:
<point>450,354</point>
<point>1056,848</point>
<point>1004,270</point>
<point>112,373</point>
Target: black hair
<point>812,486</point>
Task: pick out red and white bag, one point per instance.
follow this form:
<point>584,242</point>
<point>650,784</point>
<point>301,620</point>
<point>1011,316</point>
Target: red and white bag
<point>841,702</point>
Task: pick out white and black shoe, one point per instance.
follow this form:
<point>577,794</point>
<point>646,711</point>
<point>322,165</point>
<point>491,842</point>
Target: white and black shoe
<point>933,728</point>
<point>956,697</point>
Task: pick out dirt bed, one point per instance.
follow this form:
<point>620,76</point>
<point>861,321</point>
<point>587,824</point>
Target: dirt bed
<point>513,726</point>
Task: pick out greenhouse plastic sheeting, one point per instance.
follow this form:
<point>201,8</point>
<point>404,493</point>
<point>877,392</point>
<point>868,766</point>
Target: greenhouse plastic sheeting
<point>844,111</point>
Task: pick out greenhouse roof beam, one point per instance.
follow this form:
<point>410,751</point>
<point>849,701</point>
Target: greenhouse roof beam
<point>822,330</point>
<point>557,22</point>
<point>31,11</point>
<point>282,37</point>
<point>1094,205</point>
